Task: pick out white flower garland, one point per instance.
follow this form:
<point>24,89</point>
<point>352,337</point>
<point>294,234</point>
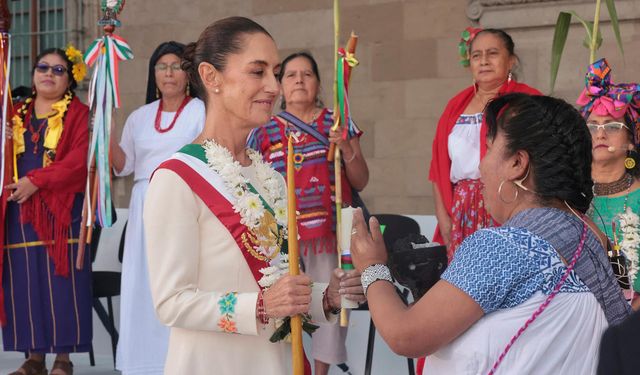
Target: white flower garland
<point>630,228</point>
<point>248,203</point>
<point>279,268</point>
<point>251,209</point>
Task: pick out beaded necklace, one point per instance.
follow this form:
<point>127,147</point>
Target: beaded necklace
<point>610,188</point>
<point>157,126</point>
<point>35,132</point>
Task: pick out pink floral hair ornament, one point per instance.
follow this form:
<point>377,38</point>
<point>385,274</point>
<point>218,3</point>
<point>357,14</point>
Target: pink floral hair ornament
<point>464,46</point>
<point>602,97</point>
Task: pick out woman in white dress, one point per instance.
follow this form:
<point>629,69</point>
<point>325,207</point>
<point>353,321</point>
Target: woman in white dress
<point>170,119</point>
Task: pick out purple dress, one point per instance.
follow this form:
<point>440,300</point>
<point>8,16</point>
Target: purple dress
<point>46,313</point>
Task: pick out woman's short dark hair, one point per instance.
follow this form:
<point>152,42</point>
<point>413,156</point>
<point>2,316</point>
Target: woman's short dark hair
<point>63,55</point>
<point>314,67</point>
<point>215,44</point>
<point>506,39</point>
<point>555,136</point>
<point>165,48</point>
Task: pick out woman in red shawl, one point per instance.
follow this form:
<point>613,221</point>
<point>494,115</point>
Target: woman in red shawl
<point>459,141</point>
<point>47,301</point>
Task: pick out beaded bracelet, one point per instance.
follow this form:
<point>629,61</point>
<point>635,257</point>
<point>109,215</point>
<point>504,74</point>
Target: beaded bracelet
<point>261,311</point>
<point>373,273</point>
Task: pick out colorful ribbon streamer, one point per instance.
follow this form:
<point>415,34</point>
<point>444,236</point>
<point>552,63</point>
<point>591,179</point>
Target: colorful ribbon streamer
<point>345,62</point>
<point>109,49</point>
<point>104,95</point>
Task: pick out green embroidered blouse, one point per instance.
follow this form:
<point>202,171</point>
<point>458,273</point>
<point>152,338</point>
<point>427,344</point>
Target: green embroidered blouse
<point>605,210</point>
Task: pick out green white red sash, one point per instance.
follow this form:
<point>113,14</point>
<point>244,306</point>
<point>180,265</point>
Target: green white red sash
<point>211,190</point>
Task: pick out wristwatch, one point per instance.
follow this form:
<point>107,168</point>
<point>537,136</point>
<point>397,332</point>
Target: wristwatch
<point>374,273</point>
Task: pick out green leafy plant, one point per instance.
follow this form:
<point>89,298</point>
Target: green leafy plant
<point>284,330</point>
<point>592,40</point>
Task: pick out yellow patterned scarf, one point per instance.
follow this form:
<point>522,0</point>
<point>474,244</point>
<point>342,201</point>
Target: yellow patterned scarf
<point>52,133</point>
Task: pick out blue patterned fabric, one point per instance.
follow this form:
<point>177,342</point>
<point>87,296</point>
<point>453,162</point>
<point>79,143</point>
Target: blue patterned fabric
<point>474,119</point>
<point>503,267</point>
<point>562,230</point>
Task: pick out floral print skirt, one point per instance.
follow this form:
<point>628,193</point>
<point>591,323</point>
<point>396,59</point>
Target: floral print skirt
<point>468,213</point>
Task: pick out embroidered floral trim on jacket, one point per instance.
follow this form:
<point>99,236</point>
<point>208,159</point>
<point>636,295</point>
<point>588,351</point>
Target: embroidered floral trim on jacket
<point>227,305</point>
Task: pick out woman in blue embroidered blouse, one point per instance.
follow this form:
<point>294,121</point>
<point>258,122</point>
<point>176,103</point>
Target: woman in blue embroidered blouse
<point>533,296</point>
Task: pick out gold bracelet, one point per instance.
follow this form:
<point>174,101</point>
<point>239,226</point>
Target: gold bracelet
<point>351,159</point>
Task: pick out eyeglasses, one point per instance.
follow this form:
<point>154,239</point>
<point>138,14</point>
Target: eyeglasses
<point>175,67</point>
<point>609,127</point>
<point>58,70</point>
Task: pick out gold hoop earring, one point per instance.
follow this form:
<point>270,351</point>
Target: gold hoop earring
<point>500,194</point>
<point>157,93</point>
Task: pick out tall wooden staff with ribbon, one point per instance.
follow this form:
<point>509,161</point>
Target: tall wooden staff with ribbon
<point>6,165</point>
<point>5,89</point>
<point>103,54</point>
<point>345,61</point>
<point>297,351</point>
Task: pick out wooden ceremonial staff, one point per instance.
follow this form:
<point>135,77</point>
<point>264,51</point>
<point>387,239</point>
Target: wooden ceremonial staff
<point>7,145</point>
<point>294,260</point>
<point>5,96</point>
<point>91,200</point>
<point>334,152</point>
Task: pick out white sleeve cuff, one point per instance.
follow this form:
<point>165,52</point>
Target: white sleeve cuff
<point>317,309</point>
<point>246,321</point>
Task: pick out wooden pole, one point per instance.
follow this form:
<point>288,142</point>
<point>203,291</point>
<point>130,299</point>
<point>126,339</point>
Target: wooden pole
<point>351,49</point>
<point>594,34</point>
<point>336,46</point>
<point>294,260</point>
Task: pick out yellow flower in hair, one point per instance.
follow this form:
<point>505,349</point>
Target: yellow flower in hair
<point>79,69</point>
<point>73,54</point>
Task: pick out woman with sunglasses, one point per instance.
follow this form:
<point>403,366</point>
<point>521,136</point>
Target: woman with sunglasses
<point>170,119</point>
<point>47,301</point>
<point>613,117</point>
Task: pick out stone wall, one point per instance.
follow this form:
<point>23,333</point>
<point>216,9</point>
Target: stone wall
<point>408,65</point>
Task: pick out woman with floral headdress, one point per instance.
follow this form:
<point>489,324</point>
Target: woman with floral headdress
<point>170,119</point>
<point>459,141</point>
<point>613,116</point>
<point>47,301</point>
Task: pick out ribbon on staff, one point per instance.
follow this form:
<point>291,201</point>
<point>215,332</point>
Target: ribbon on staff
<point>104,95</point>
<point>6,147</point>
<point>109,49</point>
<point>345,62</point>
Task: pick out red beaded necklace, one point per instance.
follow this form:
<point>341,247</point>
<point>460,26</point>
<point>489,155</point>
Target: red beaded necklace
<point>35,134</point>
<point>175,118</point>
